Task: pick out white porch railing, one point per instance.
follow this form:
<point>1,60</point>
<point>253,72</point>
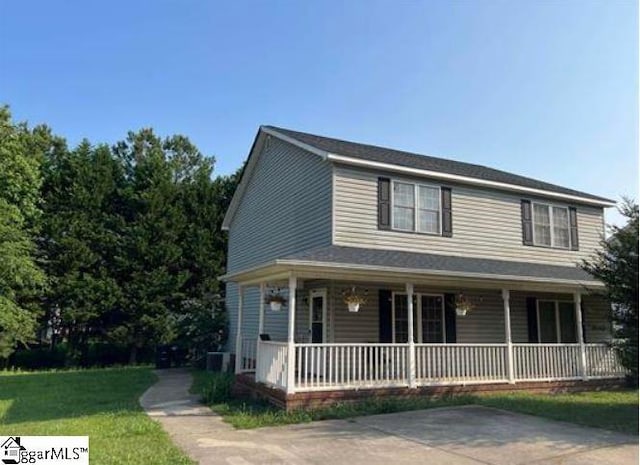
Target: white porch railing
<point>248,354</point>
<point>545,362</point>
<point>460,363</point>
<point>602,362</point>
<point>343,366</point>
<point>271,368</point>
<point>319,367</point>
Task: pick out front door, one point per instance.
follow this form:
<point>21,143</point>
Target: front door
<point>318,316</point>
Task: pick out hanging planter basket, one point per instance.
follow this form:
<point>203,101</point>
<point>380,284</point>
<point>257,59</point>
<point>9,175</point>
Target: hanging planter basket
<point>354,299</point>
<point>276,301</point>
<point>463,305</point>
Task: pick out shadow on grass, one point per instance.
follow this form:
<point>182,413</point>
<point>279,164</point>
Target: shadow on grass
<point>26,397</point>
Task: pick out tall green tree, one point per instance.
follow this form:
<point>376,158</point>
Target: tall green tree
<point>21,153</point>
<point>616,265</point>
<point>203,322</point>
<point>128,236</point>
<point>79,240</point>
<point>154,269</point>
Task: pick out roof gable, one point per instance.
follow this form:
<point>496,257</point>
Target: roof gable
<point>254,154</point>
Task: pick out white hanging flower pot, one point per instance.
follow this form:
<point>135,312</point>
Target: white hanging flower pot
<point>461,311</point>
<point>275,306</point>
<point>354,307</point>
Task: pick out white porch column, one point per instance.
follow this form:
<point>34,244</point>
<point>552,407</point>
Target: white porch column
<point>263,287</point>
<point>507,335</point>
<point>239,332</point>
<point>260,327</point>
<point>410,338</point>
<point>291,350</point>
<point>577,299</point>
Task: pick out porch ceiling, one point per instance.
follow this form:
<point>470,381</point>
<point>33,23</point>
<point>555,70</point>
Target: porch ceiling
<point>370,265</point>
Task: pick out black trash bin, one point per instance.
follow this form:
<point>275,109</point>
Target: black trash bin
<point>163,356</point>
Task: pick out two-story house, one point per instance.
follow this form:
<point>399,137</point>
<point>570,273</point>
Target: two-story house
<point>465,275</point>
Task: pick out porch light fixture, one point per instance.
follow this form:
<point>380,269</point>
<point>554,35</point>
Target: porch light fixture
<point>463,305</point>
<point>275,300</point>
<point>353,299</point>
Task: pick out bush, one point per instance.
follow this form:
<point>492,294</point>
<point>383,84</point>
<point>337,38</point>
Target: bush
<point>217,389</point>
<point>39,358</point>
<point>98,354</point>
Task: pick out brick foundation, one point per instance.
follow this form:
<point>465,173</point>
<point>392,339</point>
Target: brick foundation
<point>246,386</point>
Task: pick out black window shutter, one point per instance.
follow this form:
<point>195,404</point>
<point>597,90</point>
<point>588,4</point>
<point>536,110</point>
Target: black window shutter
<point>450,317</point>
<point>384,316</point>
<point>532,319</point>
<point>384,203</point>
<point>447,225</point>
<point>527,223</point>
<point>573,227</point>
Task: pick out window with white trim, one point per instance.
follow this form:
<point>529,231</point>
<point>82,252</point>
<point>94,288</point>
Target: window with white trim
<point>551,226</point>
<point>416,208</point>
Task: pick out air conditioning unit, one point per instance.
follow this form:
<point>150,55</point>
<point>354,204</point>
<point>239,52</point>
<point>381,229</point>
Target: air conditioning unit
<point>218,361</point>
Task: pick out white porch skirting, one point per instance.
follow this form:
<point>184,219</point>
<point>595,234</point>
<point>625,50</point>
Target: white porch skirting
<point>324,367</point>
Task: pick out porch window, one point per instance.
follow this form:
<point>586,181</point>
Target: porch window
<point>432,320</point>
<point>416,208</point>
<point>556,322</point>
<point>551,226</point>
<point>428,318</point>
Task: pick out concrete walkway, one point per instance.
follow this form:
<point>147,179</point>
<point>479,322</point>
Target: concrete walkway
<point>455,436</point>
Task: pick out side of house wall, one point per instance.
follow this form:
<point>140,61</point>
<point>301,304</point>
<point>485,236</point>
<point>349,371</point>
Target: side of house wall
<point>286,208</point>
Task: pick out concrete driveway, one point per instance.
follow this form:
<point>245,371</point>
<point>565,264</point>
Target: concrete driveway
<point>456,436</point>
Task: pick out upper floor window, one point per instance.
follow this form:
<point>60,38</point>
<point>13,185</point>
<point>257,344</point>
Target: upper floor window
<point>551,226</point>
<point>416,207</point>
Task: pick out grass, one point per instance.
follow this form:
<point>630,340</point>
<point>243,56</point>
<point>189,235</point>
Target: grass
<point>101,403</point>
<point>613,410</point>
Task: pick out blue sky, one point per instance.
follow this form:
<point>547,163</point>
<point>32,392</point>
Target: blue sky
<point>547,89</point>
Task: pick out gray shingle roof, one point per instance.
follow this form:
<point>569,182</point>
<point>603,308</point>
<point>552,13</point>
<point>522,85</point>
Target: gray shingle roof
<point>431,262</point>
<point>413,160</point>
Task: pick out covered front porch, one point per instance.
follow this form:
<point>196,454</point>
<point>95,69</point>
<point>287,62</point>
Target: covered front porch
<point>408,334</point>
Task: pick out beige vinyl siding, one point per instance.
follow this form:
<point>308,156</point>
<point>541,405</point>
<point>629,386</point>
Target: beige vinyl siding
<point>286,208</point>
<point>362,326</point>
<point>596,319</point>
<point>486,223</point>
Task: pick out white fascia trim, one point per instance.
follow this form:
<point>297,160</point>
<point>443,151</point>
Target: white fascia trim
<point>455,274</point>
<point>464,179</point>
<point>229,276</point>
<point>309,148</point>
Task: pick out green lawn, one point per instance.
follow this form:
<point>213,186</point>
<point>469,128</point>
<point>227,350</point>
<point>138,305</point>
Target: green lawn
<point>100,403</point>
<point>614,410</point>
